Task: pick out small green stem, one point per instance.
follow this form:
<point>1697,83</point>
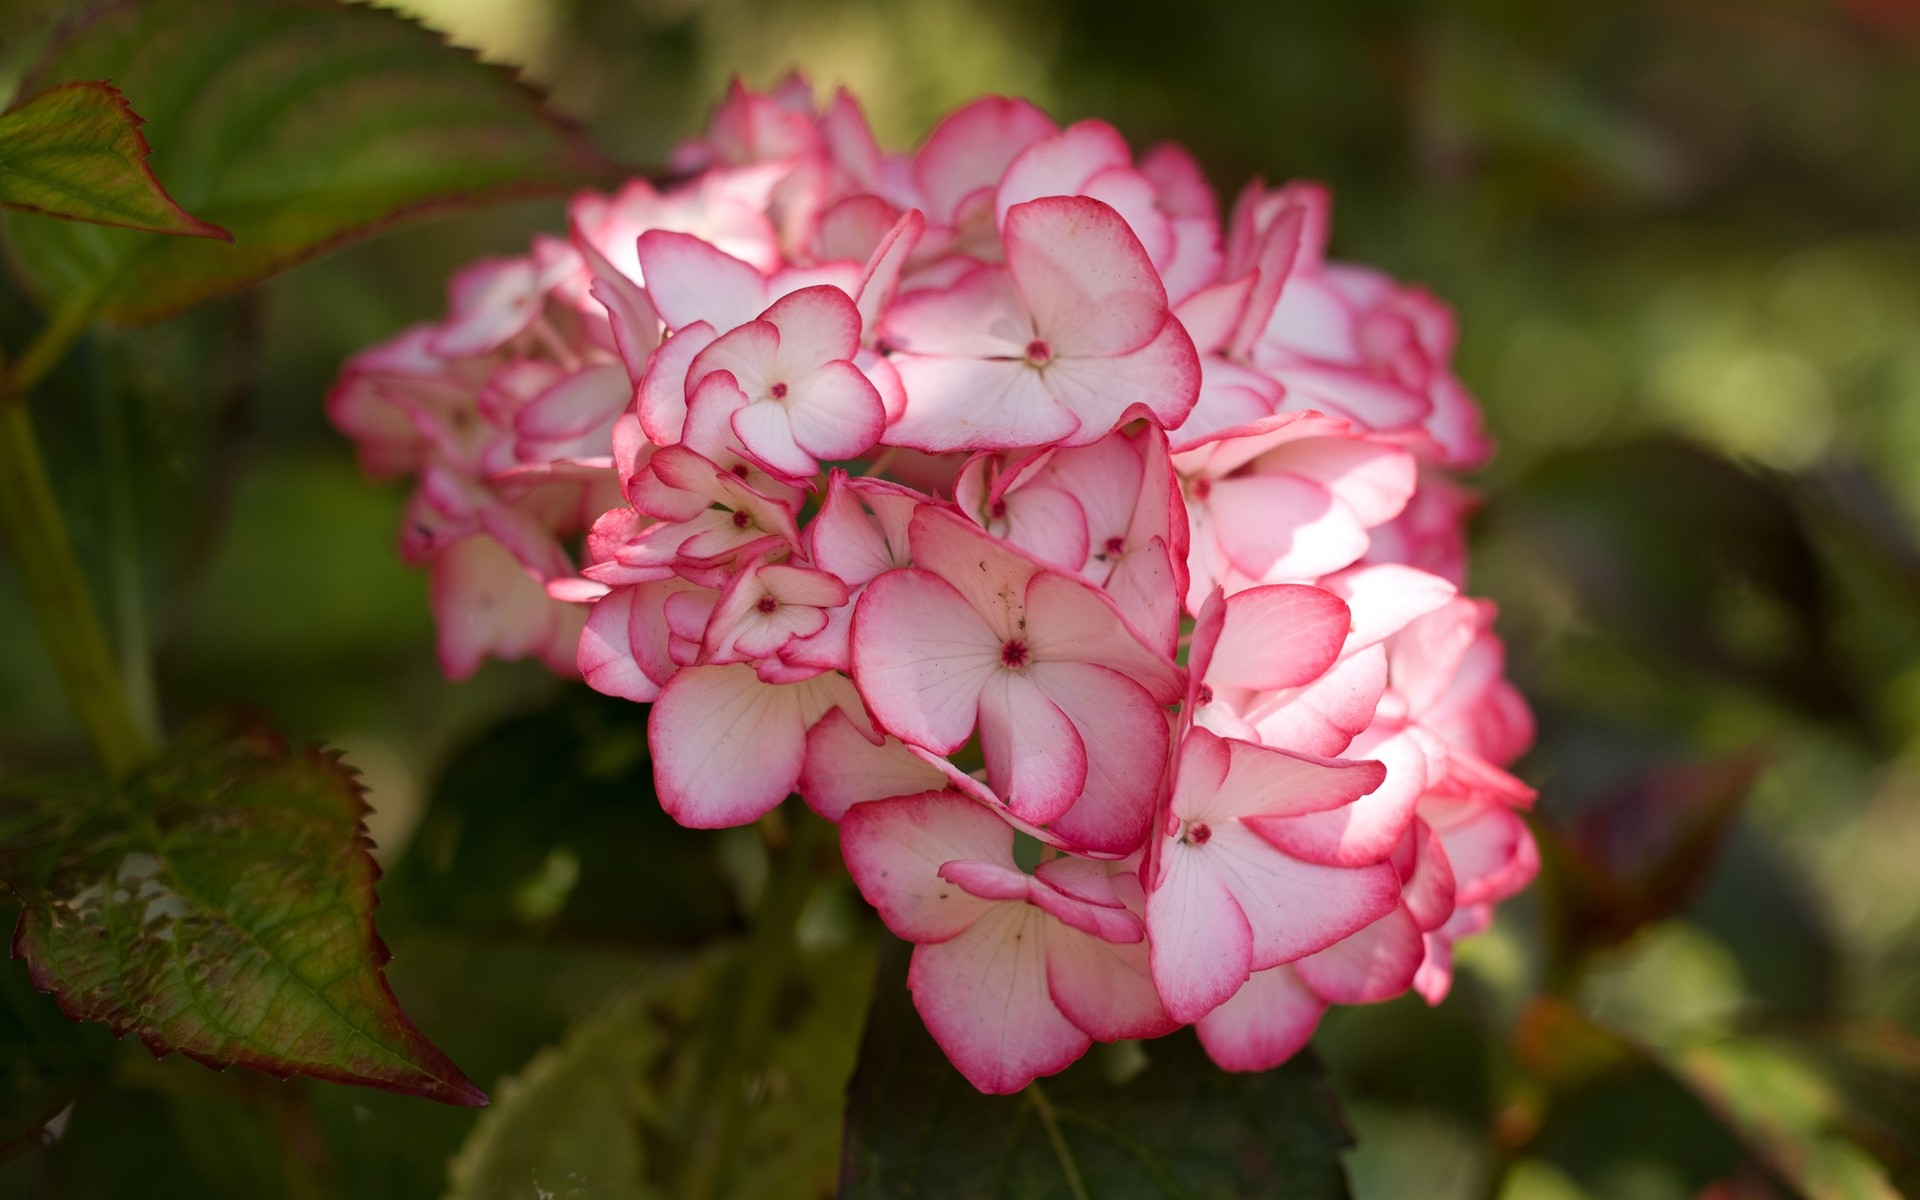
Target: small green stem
<point>35,533</point>
<point>1050,1121</point>
<point>44,353</point>
<point>740,1019</point>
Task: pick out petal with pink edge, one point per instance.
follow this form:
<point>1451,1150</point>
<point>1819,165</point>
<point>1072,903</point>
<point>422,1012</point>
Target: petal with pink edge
<point>690,281</point>
<point>1377,963</point>
<point>728,747</point>
<point>1105,988</point>
<point>1266,1022</point>
<point>1035,758</point>
<point>922,656</point>
<point>1201,945</point>
<point>895,848</point>
<point>844,769</point>
<point>984,997</point>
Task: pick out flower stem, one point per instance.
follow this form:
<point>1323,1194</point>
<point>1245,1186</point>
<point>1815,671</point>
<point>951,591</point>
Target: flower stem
<point>741,1015</point>
<point>1050,1122</point>
<point>35,534</point>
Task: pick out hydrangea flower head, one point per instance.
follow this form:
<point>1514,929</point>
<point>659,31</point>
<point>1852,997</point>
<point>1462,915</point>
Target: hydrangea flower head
<point>998,494</point>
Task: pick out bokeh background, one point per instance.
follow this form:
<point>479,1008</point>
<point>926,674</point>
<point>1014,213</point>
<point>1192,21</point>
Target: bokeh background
<point>1683,241</point>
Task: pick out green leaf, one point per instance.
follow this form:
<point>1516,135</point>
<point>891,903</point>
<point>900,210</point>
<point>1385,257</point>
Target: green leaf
<point>547,822</point>
<point>1111,1127</point>
<point>46,1062</point>
<point>220,904</point>
<point>296,124</point>
<point>592,1116</point>
<point>1774,1096</point>
<point>75,151</point>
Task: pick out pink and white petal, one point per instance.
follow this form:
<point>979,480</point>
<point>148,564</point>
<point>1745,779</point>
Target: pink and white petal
<point>1491,851</point>
<point>605,657</point>
<point>849,541</point>
<point>994,577</point>
<point>1426,883</point>
<point>976,404</point>
<point>1264,521</point>
<point>880,372</point>
<point>1068,620</point>
<point>1324,717</point>
<point>980,315</point>
<point>1260,781</point>
<point>487,606</point>
<point>884,265</point>
<point>1386,597</point>
<point>1200,942</point>
<point>1160,379</point>
<point>984,997</point>
<point>1125,735</point>
<point>1230,396</point>
<point>662,401</point>
<point>765,430</point>
<point>971,148</point>
<point>1295,908</point>
<point>1267,1022</point>
<point>1146,589</point>
<point>1049,524</point>
<point>838,413</point>
<point>1367,830</point>
<point>1087,880</point>
<point>986,880</point>
<point>1377,963</point>
<point>492,302</point>
<point>579,404</point>
<point>690,280</point>
<point>1061,165</point>
<point>1212,313</point>
<point>1085,276</point>
<point>1434,979</point>
<point>921,657</point>
<point>1105,988</point>
<point>1035,758</point>
<point>1279,636</point>
<point>727,747</point>
<point>816,324</point>
<point>631,317</point>
<point>1375,481</point>
<point>1374,402</point>
<point>895,848</point>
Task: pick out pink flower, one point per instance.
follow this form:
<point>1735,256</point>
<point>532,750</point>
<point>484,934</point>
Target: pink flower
<point>1070,339</point>
<point>1015,974</point>
<point>787,386</point>
<point>1289,497</point>
<point>1067,700</point>
<point>1223,900</point>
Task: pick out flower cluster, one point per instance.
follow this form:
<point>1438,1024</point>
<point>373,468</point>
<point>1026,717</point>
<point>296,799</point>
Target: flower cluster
<point>1092,562</point>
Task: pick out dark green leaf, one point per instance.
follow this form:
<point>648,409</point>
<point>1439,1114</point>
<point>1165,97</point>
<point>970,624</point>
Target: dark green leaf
<point>1107,1128</point>
<point>548,822</point>
<point>219,904</point>
<point>75,151</point>
<point>296,124</point>
<point>590,1117</point>
<point>46,1061</point>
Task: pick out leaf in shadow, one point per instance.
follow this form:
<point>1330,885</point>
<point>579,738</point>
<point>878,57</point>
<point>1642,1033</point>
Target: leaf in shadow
<point>220,904</point>
<point>1146,1121</point>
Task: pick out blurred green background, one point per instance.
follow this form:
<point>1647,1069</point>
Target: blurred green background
<point>1681,239</point>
